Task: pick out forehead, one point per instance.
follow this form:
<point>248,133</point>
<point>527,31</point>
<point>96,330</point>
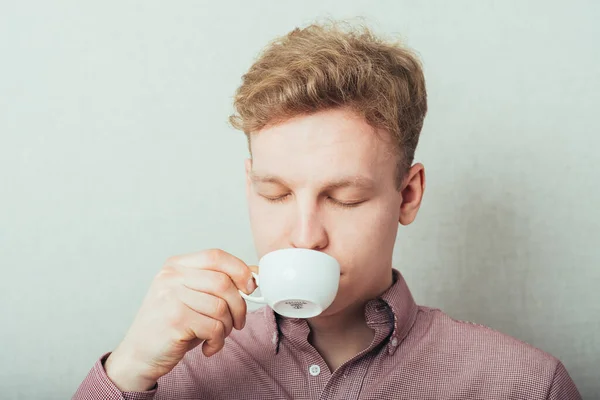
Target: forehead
<point>321,147</point>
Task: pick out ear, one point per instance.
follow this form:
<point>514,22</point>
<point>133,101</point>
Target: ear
<point>412,191</point>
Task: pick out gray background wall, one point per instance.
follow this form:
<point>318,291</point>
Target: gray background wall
<point>115,154</point>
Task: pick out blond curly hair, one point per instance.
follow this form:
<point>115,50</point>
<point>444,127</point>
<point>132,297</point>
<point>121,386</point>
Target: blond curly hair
<point>331,65</point>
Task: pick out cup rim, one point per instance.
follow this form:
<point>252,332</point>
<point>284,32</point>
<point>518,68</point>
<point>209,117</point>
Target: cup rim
<point>296,250</point>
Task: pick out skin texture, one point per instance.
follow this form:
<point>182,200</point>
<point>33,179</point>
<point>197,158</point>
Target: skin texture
<point>325,181</point>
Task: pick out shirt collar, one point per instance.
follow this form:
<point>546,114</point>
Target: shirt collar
<point>400,302</point>
<point>395,310</point>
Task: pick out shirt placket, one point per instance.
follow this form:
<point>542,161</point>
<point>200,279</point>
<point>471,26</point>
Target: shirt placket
<point>347,381</point>
<point>313,366</point>
<point>317,371</point>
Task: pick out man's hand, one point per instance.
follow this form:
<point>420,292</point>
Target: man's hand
<point>194,299</point>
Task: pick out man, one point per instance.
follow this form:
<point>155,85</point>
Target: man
<point>333,118</point>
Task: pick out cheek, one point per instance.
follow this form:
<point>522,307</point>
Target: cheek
<point>367,237</point>
<point>370,224</point>
<point>267,224</point>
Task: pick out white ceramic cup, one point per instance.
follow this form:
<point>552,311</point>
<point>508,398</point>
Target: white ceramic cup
<point>297,283</point>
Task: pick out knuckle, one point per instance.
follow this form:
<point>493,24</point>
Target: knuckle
<point>243,273</point>
<point>162,286</point>
<point>243,309</point>
<point>213,255</point>
<point>223,283</point>
<point>218,330</point>
<point>221,308</point>
<point>246,274</point>
<point>176,317</point>
<point>164,282</point>
<point>166,272</point>
<point>173,260</point>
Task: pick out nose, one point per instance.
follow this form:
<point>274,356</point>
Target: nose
<point>309,231</point>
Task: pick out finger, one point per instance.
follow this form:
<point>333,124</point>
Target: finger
<point>209,330</point>
<point>220,285</point>
<point>220,261</point>
<point>207,305</point>
<point>210,348</point>
<point>216,342</point>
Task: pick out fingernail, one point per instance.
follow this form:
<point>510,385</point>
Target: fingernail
<point>251,285</point>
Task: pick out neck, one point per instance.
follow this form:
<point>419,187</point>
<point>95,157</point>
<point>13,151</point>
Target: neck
<point>341,336</point>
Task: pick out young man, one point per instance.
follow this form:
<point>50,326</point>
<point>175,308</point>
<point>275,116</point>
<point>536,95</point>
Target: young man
<point>333,119</point>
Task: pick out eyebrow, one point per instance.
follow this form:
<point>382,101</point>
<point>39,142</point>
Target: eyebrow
<point>357,181</point>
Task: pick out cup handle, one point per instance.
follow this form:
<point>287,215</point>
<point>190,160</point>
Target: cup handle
<point>260,300</point>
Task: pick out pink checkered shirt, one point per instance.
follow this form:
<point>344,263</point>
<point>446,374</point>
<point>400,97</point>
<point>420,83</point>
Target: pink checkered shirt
<point>417,353</point>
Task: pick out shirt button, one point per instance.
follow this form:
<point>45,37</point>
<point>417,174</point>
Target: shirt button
<point>314,370</point>
<point>394,342</point>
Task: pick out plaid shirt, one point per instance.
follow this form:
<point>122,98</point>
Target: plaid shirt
<point>417,353</point>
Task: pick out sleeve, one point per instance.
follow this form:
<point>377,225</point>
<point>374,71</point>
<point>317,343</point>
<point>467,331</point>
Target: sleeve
<point>563,387</point>
<point>97,386</point>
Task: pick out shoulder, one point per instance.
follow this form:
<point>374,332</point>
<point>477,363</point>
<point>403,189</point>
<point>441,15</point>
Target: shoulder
<point>480,348</point>
<point>477,340</point>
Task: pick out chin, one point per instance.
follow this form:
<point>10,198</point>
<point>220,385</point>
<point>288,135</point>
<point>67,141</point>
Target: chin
<point>337,307</point>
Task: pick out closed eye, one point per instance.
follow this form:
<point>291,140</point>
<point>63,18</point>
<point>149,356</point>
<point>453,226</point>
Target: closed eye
<point>333,201</point>
<point>278,199</point>
<point>344,204</point>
